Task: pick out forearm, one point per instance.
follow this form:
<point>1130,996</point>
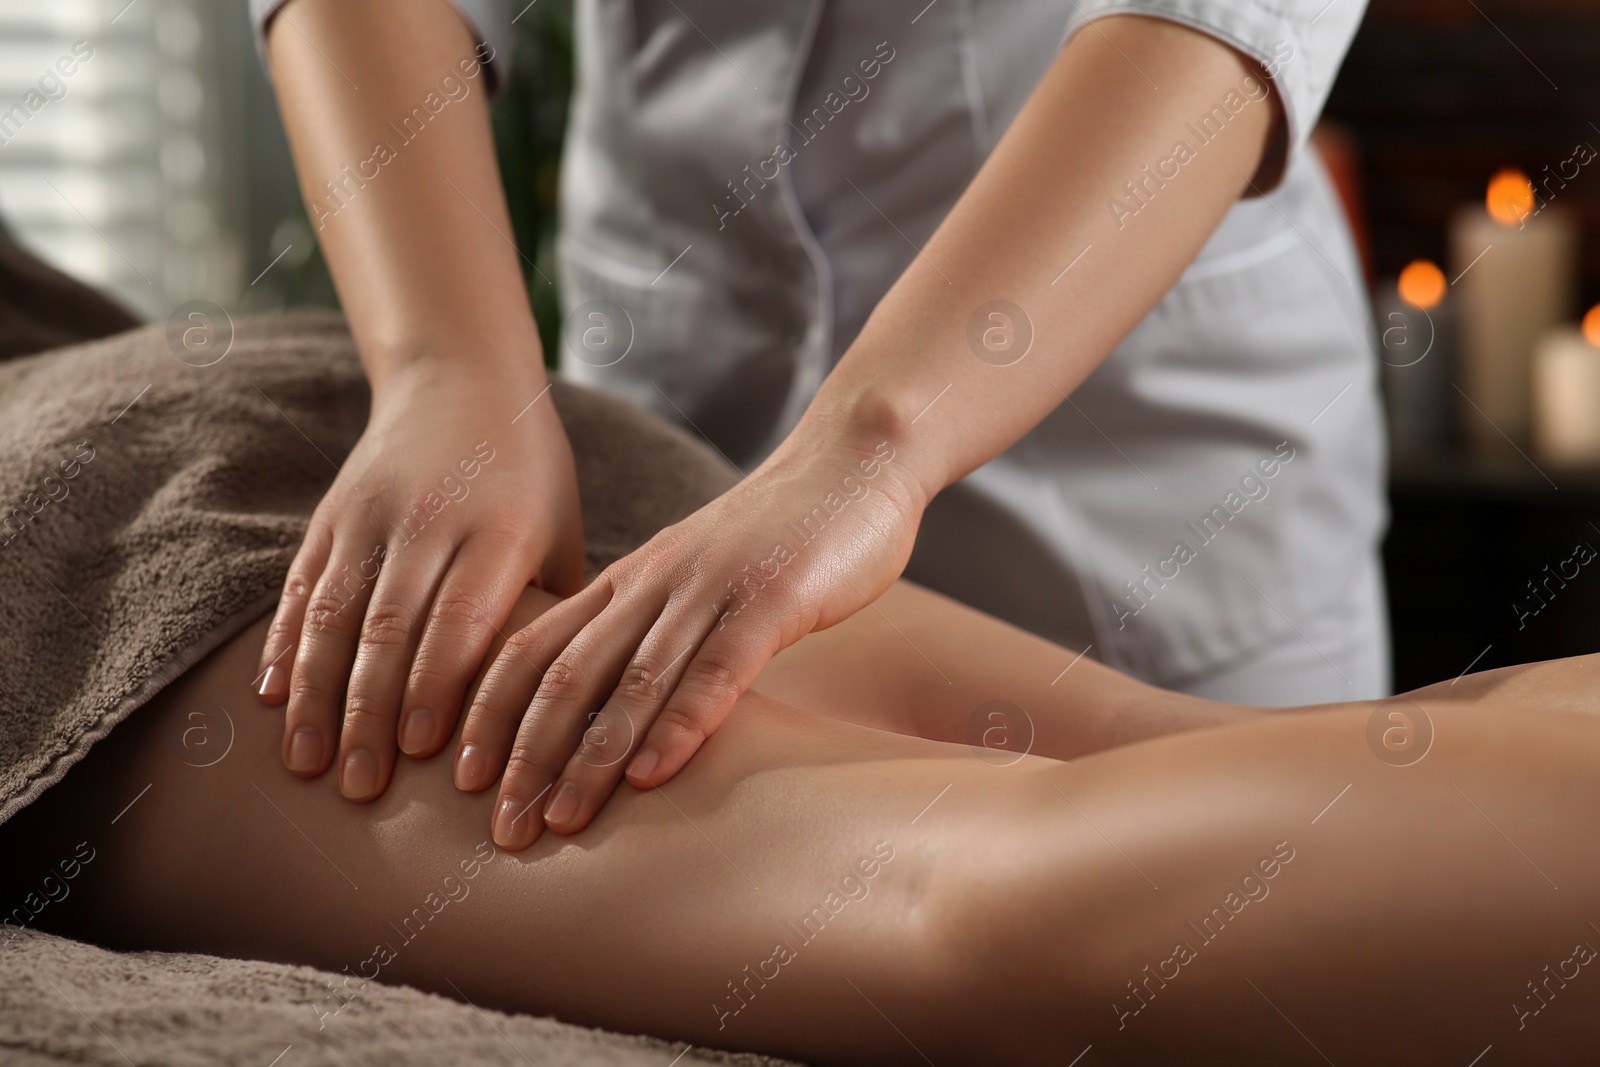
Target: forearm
<point>404,199</point>
<point>1042,200</point>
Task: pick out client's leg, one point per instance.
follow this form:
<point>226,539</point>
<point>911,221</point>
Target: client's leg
<point>919,663</point>
<point>801,869</point>
<point>1278,890</point>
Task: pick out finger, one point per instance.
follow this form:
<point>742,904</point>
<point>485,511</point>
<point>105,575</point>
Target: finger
<point>510,683</point>
<point>277,653</point>
<point>619,728</point>
<point>391,626</point>
<point>470,605</point>
<point>321,674</point>
<point>722,668</point>
<point>575,684</point>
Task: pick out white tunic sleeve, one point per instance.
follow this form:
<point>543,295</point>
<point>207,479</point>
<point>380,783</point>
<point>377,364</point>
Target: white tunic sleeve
<point>1300,43</point>
<point>489,20</point>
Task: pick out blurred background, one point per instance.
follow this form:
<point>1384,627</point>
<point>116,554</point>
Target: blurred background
<point>159,172</point>
<point>1495,428</point>
<point>1462,134</point>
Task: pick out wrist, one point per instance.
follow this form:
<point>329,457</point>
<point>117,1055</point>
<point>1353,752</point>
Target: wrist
<point>403,371</point>
<point>874,422</point>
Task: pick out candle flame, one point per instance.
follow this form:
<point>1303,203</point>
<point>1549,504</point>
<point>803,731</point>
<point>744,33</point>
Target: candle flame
<point>1422,284</point>
<point>1591,326</point>
<point>1510,196</point>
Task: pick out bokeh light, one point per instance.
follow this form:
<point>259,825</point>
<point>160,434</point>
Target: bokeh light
<point>1510,196</point>
<point>1422,284</point>
<point>1591,326</point>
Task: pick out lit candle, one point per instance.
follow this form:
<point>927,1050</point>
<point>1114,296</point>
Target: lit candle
<point>1514,269</point>
<point>1566,392</point>
<point>1414,339</point>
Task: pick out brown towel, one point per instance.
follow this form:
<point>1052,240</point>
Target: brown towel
<point>42,308</point>
<point>173,1008</point>
<point>149,510</point>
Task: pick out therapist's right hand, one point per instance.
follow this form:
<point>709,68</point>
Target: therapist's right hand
<point>636,671</point>
<point>448,506</point>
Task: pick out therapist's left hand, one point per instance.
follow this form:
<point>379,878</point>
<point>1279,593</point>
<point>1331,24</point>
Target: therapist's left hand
<point>636,671</point>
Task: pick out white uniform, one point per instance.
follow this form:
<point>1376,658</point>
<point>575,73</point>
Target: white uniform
<point>744,181</point>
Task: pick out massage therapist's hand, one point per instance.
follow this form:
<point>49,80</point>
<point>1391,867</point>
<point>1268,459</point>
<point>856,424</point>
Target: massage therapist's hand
<point>443,512</point>
<point>666,638</point>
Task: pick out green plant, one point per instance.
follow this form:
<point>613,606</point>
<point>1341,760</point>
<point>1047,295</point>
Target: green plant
<point>530,122</point>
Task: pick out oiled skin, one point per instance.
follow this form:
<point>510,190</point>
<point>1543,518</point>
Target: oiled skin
<point>1012,915</point>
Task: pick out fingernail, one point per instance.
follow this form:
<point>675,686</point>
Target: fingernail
<point>417,734</point>
<point>509,821</point>
<point>305,750</point>
<point>274,688</point>
<point>358,779</point>
<point>644,764</point>
<point>471,764</point>
<point>563,806</point>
